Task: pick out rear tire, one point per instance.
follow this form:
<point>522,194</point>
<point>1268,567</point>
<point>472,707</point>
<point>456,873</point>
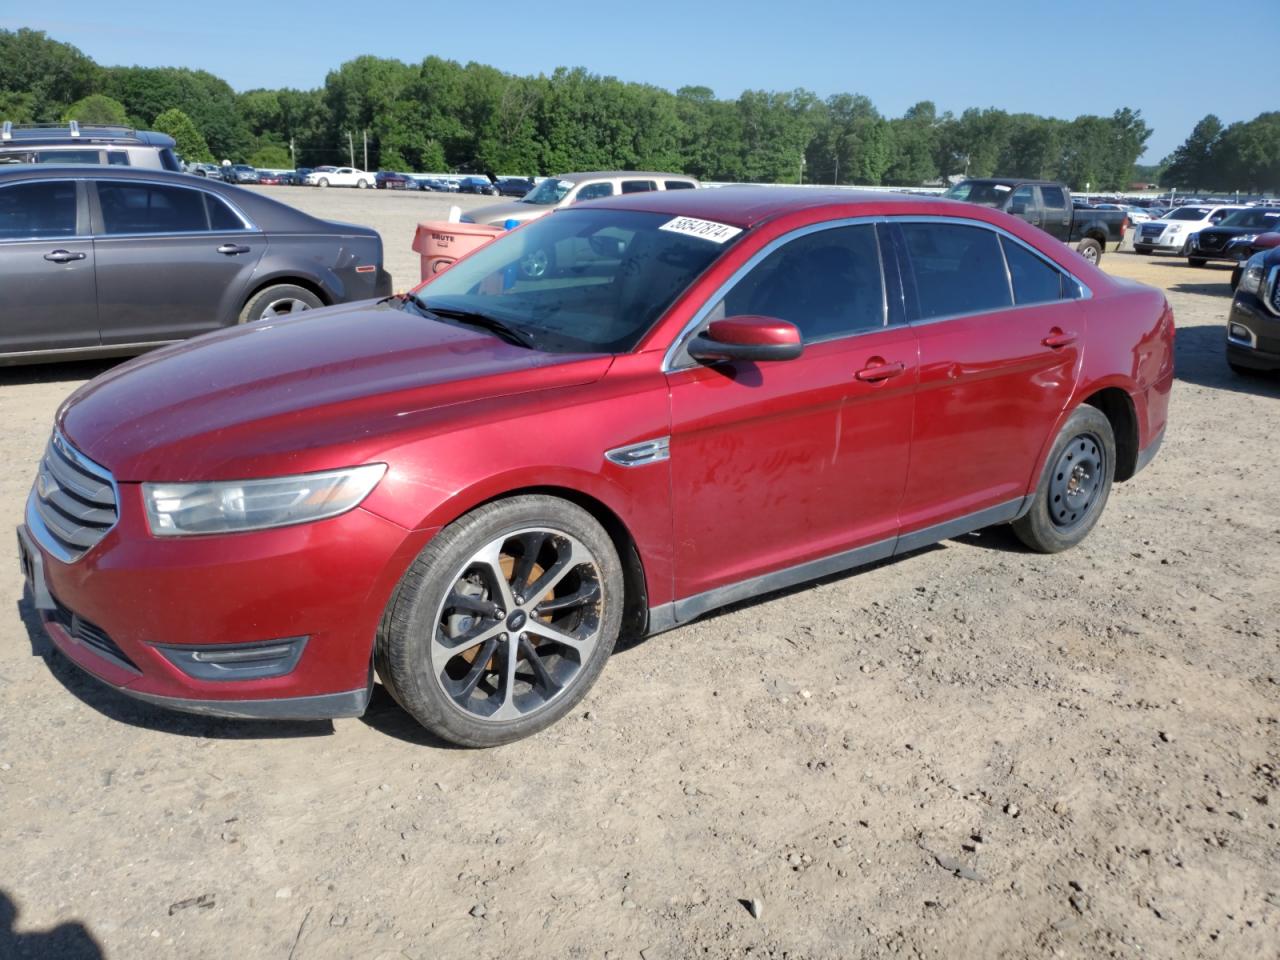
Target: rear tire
<point>361,184</point>
<point>474,650</point>
<point>1075,484</point>
<point>278,301</point>
<point>322,182</point>
<point>1091,250</point>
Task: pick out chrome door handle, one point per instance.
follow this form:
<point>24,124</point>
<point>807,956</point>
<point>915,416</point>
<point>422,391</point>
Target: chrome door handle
<point>231,249</point>
<point>63,256</point>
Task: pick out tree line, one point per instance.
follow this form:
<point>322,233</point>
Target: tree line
<point>440,115</point>
<point>1243,156</point>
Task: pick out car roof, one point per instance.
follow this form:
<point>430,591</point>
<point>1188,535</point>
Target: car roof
<point>60,135</point>
<point>744,206</point>
<point>270,215</point>
<point>607,174</point>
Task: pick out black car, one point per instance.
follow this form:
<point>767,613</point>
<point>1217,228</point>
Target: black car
<point>111,261</point>
<point>514,186</point>
<point>480,185</point>
<point>1229,240</point>
<point>1253,326</point>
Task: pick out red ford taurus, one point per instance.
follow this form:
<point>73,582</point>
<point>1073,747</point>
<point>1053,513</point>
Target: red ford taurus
<point>473,489</point>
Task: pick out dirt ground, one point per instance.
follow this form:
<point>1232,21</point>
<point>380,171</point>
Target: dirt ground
<point>970,751</point>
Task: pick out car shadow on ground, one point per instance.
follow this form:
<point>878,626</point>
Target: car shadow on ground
<point>72,372</point>
<point>123,709</point>
<point>1200,357</point>
<point>390,719</point>
<point>67,941</point>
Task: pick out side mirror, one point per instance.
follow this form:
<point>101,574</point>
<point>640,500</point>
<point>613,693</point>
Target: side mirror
<point>747,338</point>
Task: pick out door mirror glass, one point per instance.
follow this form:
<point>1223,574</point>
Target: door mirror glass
<point>747,338</point>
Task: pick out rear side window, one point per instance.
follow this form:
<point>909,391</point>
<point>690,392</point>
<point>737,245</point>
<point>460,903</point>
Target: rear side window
<point>37,210</point>
<point>1054,198</point>
<point>638,186</point>
<point>678,184</point>
<point>958,269</point>
<point>221,216</point>
<point>151,208</point>
<point>593,191</point>
<point>68,156</point>
<point>1034,281</point>
<point>117,158</point>
<point>827,283</point>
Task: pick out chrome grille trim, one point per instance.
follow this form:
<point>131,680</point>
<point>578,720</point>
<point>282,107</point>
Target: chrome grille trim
<point>74,501</point>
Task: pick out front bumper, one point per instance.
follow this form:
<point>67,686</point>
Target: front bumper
<point>1163,243</point>
<point>134,608</point>
<point>1253,334</point>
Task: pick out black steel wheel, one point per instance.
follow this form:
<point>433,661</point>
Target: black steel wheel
<point>1075,485</point>
<point>504,622</point>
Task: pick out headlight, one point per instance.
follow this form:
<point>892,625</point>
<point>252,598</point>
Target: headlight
<point>1251,279</point>
<point>182,509</point>
<point>1247,238</point>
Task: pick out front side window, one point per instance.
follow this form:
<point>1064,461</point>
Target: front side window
<point>984,194</point>
<point>151,208</point>
<point>31,211</point>
<point>1023,199</point>
<point>958,269</point>
<point>581,280</point>
<point>1034,281</point>
<point>827,283</point>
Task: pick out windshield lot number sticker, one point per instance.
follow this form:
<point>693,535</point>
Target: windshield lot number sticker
<point>702,229</point>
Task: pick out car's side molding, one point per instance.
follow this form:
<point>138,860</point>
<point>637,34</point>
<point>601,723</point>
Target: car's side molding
<point>667,616</point>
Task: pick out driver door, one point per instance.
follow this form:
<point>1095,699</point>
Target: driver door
<point>777,465</point>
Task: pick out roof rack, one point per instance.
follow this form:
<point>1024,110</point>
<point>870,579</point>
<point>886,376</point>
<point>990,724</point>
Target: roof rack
<point>73,127</point>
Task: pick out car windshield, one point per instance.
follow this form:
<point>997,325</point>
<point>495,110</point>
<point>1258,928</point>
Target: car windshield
<point>1188,213</point>
<point>548,192</point>
<point>986,194</point>
<point>1253,218</point>
<point>583,280</point>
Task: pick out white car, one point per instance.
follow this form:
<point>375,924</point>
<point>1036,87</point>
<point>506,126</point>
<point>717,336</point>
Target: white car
<point>1172,232</point>
<point>340,177</point>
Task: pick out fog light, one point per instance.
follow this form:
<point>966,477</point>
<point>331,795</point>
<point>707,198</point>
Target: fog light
<point>237,661</point>
<point>1239,332</point>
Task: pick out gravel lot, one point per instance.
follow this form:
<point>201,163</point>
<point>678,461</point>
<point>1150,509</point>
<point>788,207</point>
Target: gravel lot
<point>971,751</point>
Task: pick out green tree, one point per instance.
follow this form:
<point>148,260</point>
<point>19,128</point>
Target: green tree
<point>207,100</point>
<point>97,108</point>
<point>1191,165</point>
<point>271,158</point>
<point>45,74</point>
<point>190,143</point>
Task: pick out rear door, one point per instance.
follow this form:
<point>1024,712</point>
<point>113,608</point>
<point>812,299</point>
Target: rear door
<point>1055,207</point>
<point>1000,333</point>
<point>172,261</point>
<point>777,464</point>
<point>48,299</point>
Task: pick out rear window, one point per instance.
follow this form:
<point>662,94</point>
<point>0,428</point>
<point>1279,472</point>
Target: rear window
<point>638,186</point>
<point>678,184</point>
<point>958,269</point>
<point>37,210</point>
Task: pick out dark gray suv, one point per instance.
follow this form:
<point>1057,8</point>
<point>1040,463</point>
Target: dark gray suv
<point>103,261</point>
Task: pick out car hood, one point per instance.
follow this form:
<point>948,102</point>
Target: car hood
<point>328,388</point>
<point>498,213</point>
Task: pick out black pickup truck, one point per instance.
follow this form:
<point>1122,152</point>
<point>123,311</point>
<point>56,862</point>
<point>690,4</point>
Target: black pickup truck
<point>1047,205</point>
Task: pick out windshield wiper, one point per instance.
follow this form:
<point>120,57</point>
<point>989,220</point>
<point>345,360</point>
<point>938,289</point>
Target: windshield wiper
<point>471,318</point>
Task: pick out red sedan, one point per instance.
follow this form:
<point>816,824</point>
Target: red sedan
<point>474,488</point>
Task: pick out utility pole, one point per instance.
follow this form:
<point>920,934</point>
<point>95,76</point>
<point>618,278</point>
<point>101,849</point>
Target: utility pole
<point>351,148</point>
<point>364,134</point>
<point>293,157</point>
<point>836,182</point>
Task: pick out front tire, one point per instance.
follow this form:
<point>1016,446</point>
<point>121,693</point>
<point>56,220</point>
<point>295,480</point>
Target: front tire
<point>361,184</point>
<point>322,182</point>
<point>1075,485</point>
<point>504,622</point>
<point>1235,277</point>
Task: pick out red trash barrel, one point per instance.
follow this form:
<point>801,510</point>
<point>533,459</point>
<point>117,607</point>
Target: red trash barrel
<point>440,243</point>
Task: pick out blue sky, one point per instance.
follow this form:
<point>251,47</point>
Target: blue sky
<point>1034,55</point>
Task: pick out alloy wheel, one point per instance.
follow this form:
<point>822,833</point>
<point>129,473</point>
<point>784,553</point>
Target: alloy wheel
<point>518,625</point>
<point>283,308</point>
<point>535,263</point>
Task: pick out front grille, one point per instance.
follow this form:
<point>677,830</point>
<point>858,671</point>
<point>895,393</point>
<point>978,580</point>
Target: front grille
<point>75,500</point>
<point>1210,241</point>
<point>89,634</point>
<point>1151,231</point>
